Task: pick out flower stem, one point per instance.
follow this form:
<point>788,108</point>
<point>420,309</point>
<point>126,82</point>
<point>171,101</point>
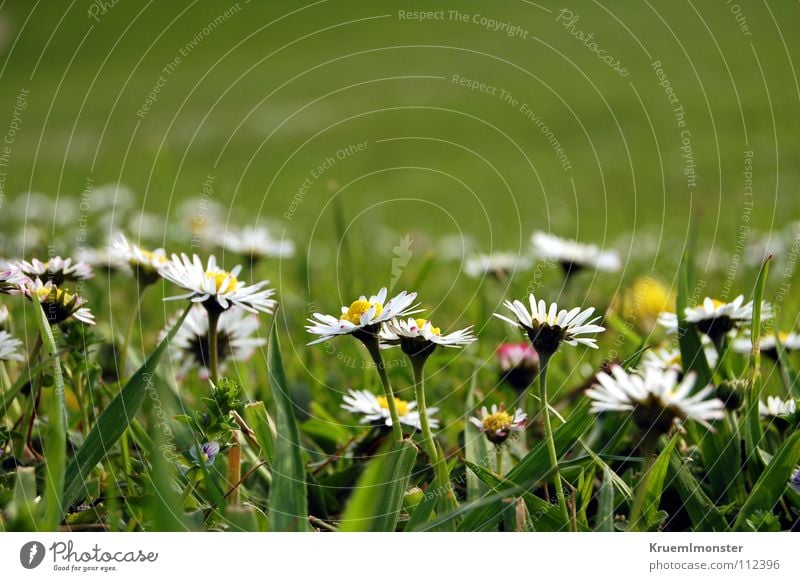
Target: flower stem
<point>498,455</point>
<point>548,434</point>
<point>372,345</point>
<point>436,459</point>
<point>648,453</point>
<point>213,345</point>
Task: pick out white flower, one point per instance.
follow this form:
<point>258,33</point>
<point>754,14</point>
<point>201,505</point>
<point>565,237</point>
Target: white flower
<point>375,409</point>
<point>789,341</point>
<point>423,331</point>
<point>145,264</point>
<point>500,264</point>
<point>12,281</point>
<point>363,314</point>
<point>56,269</point>
<point>655,397</point>
<point>498,425</point>
<point>255,243</point>
<point>547,327</point>
<point>573,255</point>
<point>58,304</point>
<point>112,197</point>
<point>236,340</point>
<point>219,287</point>
<point>9,347</point>
<point>716,318</point>
<point>103,259</point>
<point>776,407</point>
<point>666,358</point>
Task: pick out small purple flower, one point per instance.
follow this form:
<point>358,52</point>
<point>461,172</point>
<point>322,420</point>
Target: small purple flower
<point>205,453</point>
<point>794,481</point>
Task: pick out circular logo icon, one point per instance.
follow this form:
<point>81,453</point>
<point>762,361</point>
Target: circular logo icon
<point>31,554</point>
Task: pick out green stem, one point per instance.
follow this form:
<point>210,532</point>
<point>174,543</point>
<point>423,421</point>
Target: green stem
<point>213,346</point>
<point>56,443</point>
<point>648,453</point>
<point>436,459</point>
<point>372,345</point>
<point>498,454</point>
<point>548,434</point>
<point>123,357</point>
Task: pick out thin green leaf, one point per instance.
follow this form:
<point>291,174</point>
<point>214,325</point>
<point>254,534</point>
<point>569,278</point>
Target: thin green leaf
<point>114,420</point>
<point>692,353</point>
<point>606,502</point>
<point>655,482</point>
<point>256,416</point>
<point>702,512</point>
<point>752,424</point>
<point>288,499</point>
<point>475,445</point>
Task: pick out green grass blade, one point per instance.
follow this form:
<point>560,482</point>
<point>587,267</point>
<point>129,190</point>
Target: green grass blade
<point>288,499</point>
<point>692,353</point>
<point>752,424</point>
<point>256,416</point>
<point>771,485</point>
<point>475,445</point>
<point>655,483</point>
<point>114,420</point>
<point>375,504</point>
<point>703,513</point>
<point>606,503</point>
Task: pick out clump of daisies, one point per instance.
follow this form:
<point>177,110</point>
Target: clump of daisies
<point>237,340</point>
<point>573,256</point>
<point>548,328</point>
<point>375,409</point>
<point>363,320</point>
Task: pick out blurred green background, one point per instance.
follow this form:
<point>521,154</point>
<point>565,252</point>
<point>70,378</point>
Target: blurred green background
<point>264,92</point>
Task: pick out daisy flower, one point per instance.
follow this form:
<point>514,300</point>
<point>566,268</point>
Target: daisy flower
<point>375,409</point>
<point>519,364</point>
<point>57,269</point>
<point>666,358</point>
<point>12,281</point>
<point>573,256</point>
<point>215,288</point>
<point>655,397</point>
<point>236,340</point>
<point>255,243</point>
<point>498,425</point>
<point>58,304</point>
<point>547,327</point>
<point>768,345</point>
<point>103,259</point>
<point>9,347</point>
<point>145,264</point>
<point>716,318</point>
<point>363,317</point>
<point>498,264</point>
<point>4,316</point>
<point>420,337</point>
<point>776,407</point>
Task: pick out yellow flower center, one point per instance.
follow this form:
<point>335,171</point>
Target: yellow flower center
<point>421,323</point>
<point>783,336</point>
<point>717,303</point>
<point>152,257</point>
<point>402,405</point>
<point>358,308</point>
<point>219,277</point>
<point>496,421</point>
<point>52,294</point>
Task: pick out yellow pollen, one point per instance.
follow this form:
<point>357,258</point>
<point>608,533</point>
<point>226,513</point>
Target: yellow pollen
<point>421,323</point>
<point>717,304</point>
<point>358,308</point>
<point>783,336</point>
<point>496,421</point>
<point>219,276</point>
<point>153,257</point>
<point>402,405</point>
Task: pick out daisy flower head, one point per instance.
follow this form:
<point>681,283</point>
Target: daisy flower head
<point>768,345</point>
<point>498,424</point>
<point>375,409</point>
<point>58,304</point>
<point>574,256</point>
<point>363,318</point>
<point>420,337</point>
<point>775,407</point>
<point>103,259</point>
<point>519,364</point>
<point>216,289</point>
<point>12,281</point>
<point>499,264</point>
<point>655,397</point>
<point>237,340</point>
<point>145,264</point>
<point>716,318</point>
<point>255,243</point>
<point>56,270</point>
<point>666,358</point>
<point>547,326</point>
<point>9,347</point>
